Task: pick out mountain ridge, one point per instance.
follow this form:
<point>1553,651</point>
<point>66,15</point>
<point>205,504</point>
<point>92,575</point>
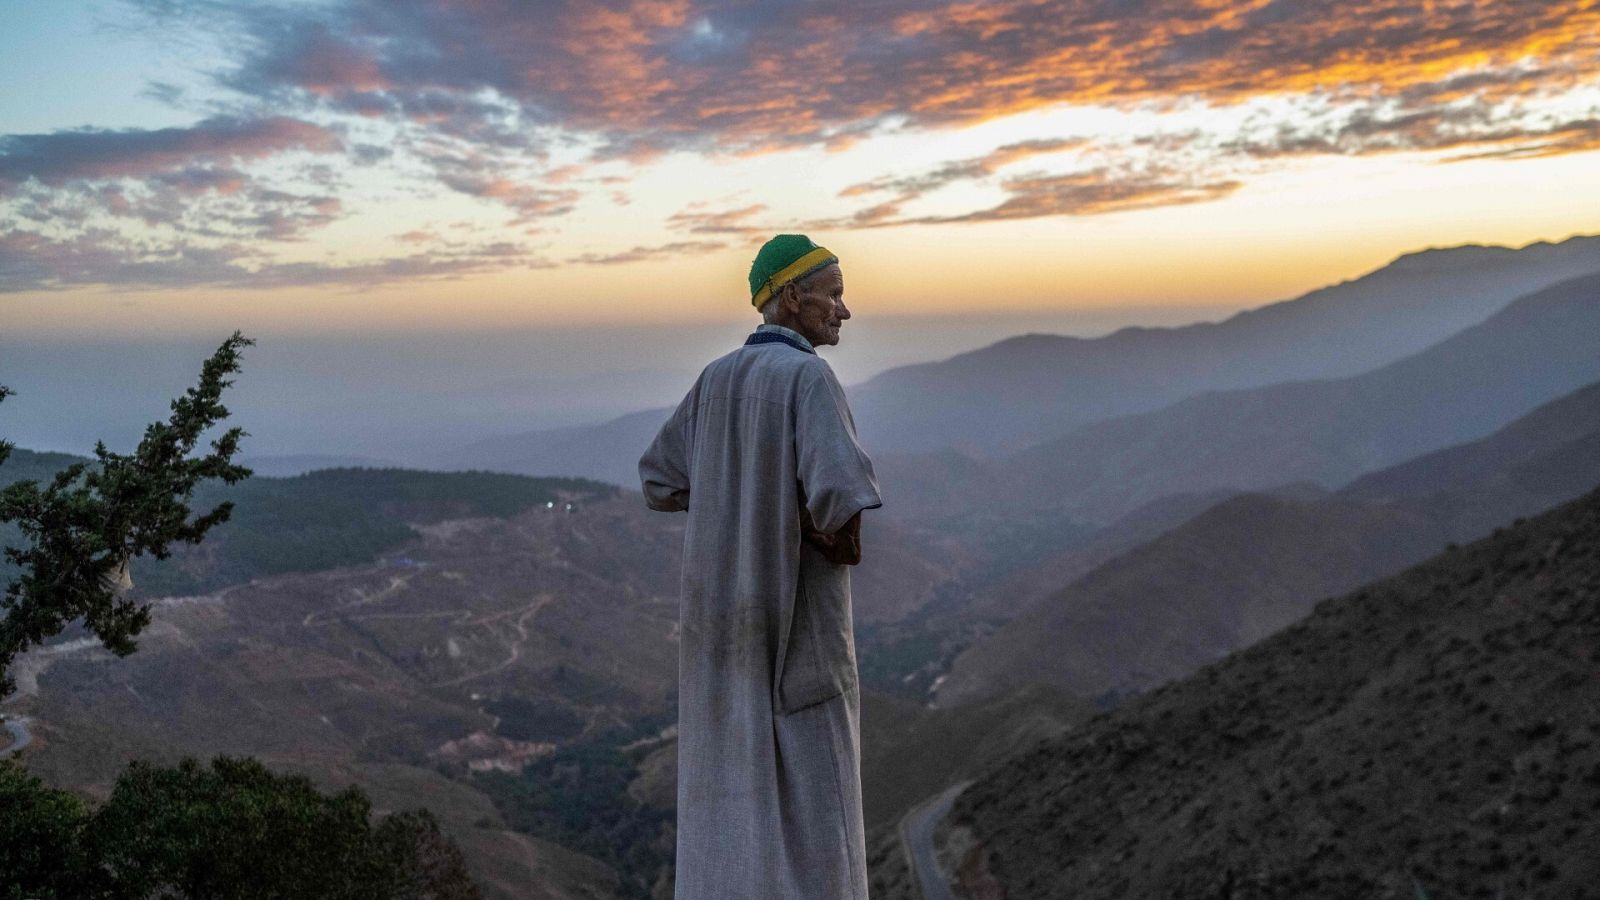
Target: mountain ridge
<point>902,410</point>
<point>1330,430</point>
<point>1255,562</point>
<point>1333,331</point>
<point>1437,730</point>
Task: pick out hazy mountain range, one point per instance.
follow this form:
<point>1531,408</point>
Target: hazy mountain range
<point>1032,388</point>
<point>1254,563</point>
<point>1327,432</point>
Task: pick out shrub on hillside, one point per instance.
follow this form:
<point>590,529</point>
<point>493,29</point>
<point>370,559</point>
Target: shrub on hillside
<point>233,829</point>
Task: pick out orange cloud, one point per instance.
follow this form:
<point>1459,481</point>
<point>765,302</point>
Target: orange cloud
<point>1089,192</point>
<point>654,74</point>
<point>474,93</point>
<point>728,221</point>
<point>640,254</point>
<point>908,188</point>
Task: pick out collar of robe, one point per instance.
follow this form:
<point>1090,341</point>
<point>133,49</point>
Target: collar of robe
<point>773,337</point>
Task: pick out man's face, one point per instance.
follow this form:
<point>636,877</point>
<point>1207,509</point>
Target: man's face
<point>821,310</point>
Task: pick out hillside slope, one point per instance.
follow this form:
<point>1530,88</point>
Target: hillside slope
<point>1440,729</point>
<point>1252,564</point>
<point>483,643</point>
<point>1221,581</point>
<point>1518,456</point>
<point>910,752</point>
<point>310,522</point>
<point>477,622</point>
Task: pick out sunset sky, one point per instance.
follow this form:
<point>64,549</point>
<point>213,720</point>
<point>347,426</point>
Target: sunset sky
<point>187,167</point>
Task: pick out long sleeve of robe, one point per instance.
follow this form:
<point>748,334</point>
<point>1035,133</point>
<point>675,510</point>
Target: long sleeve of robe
<point>769,786</point>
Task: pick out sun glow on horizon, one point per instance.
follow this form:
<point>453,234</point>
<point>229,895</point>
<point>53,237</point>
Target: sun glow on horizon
<point>324,176</point>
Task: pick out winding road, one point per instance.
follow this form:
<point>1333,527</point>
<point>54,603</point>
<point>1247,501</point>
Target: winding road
<point>521,625</point>
<point>20,737</point>
<point>916,841</point>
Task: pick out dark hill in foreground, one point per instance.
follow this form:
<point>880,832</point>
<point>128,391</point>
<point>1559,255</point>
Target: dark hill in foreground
<point>910,752</point>
<point>1440,729</point>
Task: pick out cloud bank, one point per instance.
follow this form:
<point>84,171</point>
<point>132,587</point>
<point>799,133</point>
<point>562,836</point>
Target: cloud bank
<point>478,100</point>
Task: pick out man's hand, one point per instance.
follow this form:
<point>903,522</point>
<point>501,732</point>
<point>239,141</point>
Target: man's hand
<point>842,547</point>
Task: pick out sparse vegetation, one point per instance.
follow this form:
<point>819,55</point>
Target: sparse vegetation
<point>316,521</point>
<point>579,798</point>
<point>340,517</point>
<point>1435,728</point>
<point>522,719</point>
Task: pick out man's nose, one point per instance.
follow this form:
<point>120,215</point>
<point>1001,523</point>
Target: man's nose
<point>842,310</point>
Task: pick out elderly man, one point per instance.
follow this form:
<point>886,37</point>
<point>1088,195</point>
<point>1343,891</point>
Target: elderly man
<point>763,455</point>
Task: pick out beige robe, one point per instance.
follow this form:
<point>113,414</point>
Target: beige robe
<point>769,785</point>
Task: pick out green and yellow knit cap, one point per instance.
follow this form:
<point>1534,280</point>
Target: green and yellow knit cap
<point>783,259</point>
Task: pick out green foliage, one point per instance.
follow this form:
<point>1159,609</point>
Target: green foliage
<point>41,837</point>
<point>25,465</point>
<point>522,719</point>
<point>5,446</point>
<point>578,797</point>
<point>230,830</point>
<point>418,861</point>
<point>146,835</point>
<point>427,496</point>
<point>87,522</point>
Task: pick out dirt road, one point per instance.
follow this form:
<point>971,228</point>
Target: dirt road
<point>916,840</point>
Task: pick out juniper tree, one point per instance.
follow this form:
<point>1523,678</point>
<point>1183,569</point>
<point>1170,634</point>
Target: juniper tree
<point>90,519</point>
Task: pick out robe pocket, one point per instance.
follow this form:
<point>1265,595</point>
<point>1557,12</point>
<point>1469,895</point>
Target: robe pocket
<point>820,661</point>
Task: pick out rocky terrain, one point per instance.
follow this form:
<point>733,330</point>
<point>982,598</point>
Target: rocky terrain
<point>1436,733</point>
